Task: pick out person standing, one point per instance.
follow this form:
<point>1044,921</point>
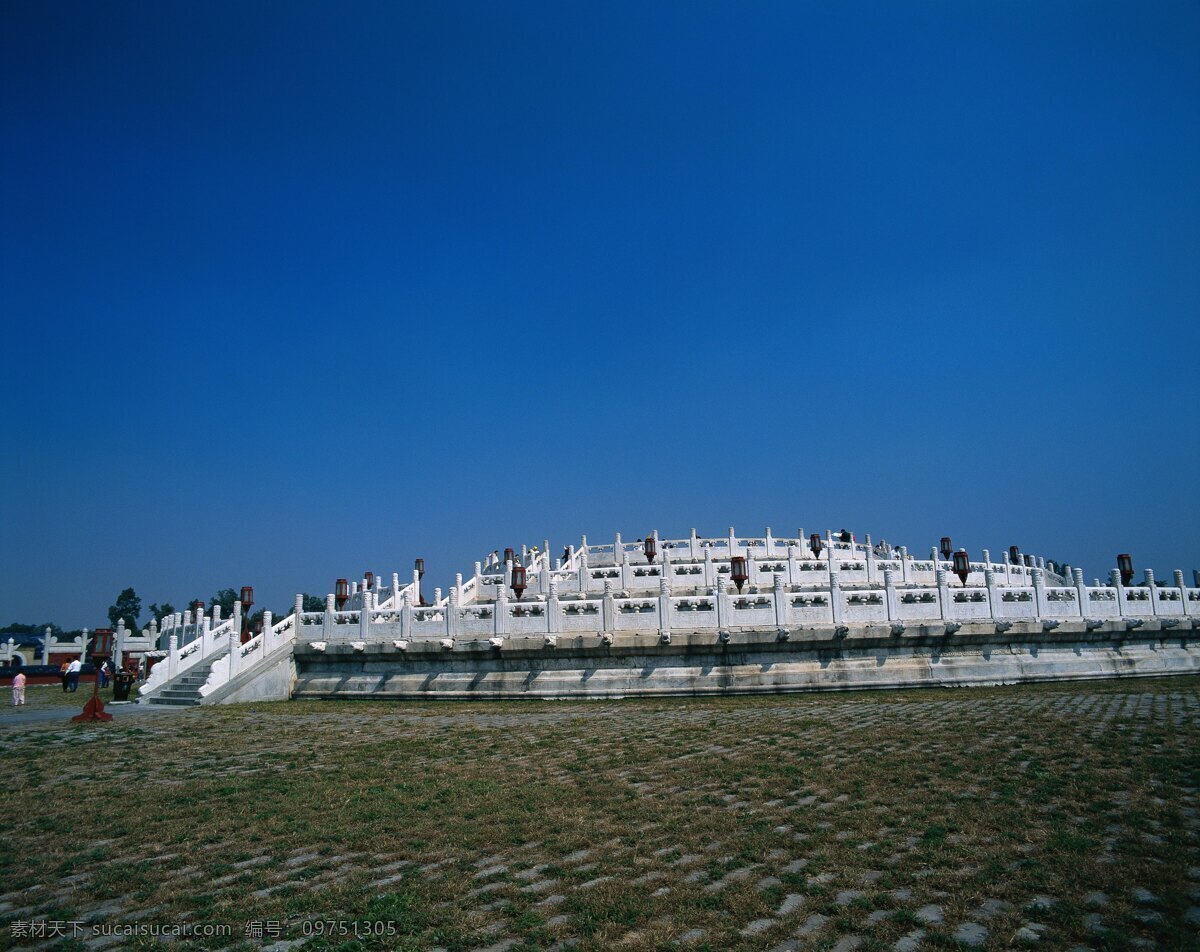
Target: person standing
<point>18,688</point>
<point>73,670</point>
<point>64,673</point>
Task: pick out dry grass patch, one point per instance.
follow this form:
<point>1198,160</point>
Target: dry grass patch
<point>722,823</point>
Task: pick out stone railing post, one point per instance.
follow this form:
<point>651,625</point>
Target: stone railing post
<point>364,616</point>
<point>583,569</point>
<point>769,544</point>
<point>836,600</point>
<point>693,544</point>
<point>608,608</point>
<point>793,567</point>
<point>710,570</point>
<point>235,648</point>
<point>406,616</point>
<point>780,600</point>
<point>993,591</point>
<point>1081,592</point>
<point>721,604</point>
<point>119,645</point>
<point>618,550</point>
<point>416,587</point>
<point>664,610</point>
<point>889,594</point>
<point>1183,593</point>
<point>905,566</point>
<point>327,618</point>
<point>172,656</point>
<point>502,616</point>
<point>553,610</point>
<point>1152,590</point>
<point>236,621</point>
<point>49,633</point>
<point>943,587</point>
<point>1007,569</point>
<point>626,574</point>
<point>1039,592</point>
<point>1114,579</point>
<point>987,560</point>
<point>298,621</point>
<point>870,561</point>
<point>732,543</point>
<point>268,642</point>
<point>452,624</point>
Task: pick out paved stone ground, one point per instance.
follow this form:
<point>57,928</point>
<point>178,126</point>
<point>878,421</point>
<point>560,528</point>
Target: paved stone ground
<point>1056,816</point>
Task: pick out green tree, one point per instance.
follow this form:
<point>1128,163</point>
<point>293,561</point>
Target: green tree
<point>127,607</point>
<point>161,611</point>
<point>225,598</point>
<point>313,603</point>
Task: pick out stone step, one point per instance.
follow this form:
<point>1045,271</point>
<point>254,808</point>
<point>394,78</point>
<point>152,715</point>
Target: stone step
<point>175,701</point>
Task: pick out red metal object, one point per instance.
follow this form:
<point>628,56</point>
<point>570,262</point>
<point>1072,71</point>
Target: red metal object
<point>1014,554</point>
<point>518,581</point>
<point>247,600</point>
<point>369,580</point>
<point>737,571</point>
<point>198,605</point>
<point>102,643</point>
<point>946,547</point>
<point>1125,564</point>
<point>341,593</point>
<point>814,543</point>
<point>509,555</point>
<point>650,548</point>
<point>962,565</point>
<point>93,710</point>
<point>419,565</point>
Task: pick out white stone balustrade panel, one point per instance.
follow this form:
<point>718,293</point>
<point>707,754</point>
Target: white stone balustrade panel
<point>633,614</point>
<point>1062,603</point>
<point>693,611</point>
<point>865,606</point>
<point>914,604</point>
<point>969,604</point>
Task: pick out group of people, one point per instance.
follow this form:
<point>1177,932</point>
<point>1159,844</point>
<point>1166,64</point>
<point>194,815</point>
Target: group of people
<point>70,671</point>
<point>70,675</point>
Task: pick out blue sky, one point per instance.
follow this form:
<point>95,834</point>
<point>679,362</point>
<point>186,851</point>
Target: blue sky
<point>292,291</point>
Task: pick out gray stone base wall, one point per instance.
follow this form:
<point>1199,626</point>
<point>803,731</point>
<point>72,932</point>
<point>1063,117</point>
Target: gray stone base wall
<point>749,662</point>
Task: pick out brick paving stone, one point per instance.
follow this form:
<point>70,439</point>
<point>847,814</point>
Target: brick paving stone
<point>910,942</point>
<point>931,915</point>
<point>812,924</point>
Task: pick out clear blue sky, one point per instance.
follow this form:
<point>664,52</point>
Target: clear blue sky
<point>292,291</point>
